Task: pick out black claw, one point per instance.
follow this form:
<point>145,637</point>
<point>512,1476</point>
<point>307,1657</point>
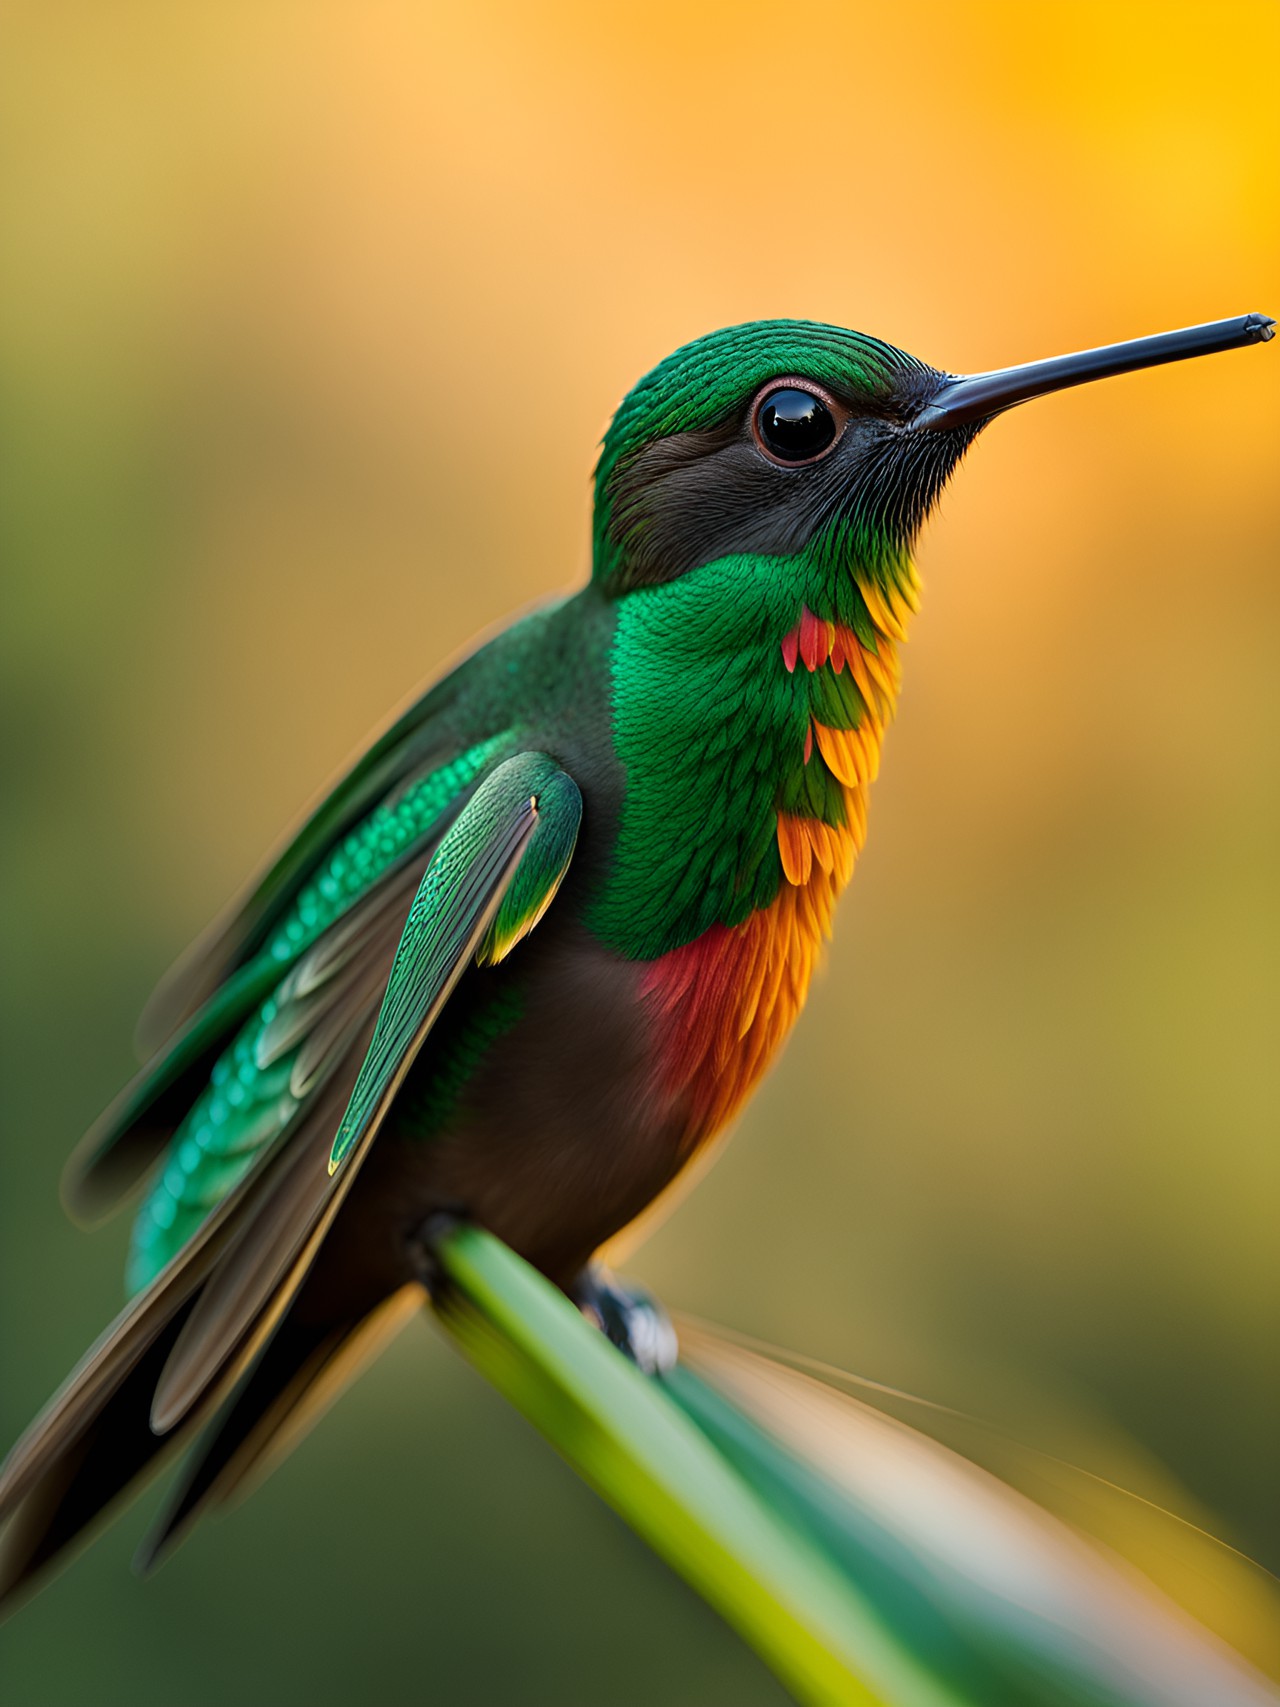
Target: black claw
<point>629,1318</point>
<point>420,1245</point>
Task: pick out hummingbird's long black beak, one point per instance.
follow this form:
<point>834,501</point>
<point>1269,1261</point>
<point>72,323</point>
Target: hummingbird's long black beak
<point>964,398</point>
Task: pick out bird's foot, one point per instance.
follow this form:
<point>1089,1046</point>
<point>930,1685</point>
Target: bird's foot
<point>629,1318</point>
<point>420,1248</point>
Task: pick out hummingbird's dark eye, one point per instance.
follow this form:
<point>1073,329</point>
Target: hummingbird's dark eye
<point>792,424</point>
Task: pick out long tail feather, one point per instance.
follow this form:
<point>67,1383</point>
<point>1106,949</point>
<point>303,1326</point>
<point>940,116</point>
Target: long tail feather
<point>77,1486</point>
<point>299,1375</point>
<point>96,1437</point>
<point>108,1363</point>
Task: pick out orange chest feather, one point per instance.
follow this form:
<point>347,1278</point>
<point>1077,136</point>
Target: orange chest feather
<point>724,1003</point>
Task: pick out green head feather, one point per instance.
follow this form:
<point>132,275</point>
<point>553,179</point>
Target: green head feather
<point>682,479</point>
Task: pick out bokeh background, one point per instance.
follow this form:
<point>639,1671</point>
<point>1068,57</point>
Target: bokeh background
<point>311,318</point>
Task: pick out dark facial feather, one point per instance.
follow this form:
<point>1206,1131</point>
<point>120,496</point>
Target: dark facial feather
<point>694,497</point>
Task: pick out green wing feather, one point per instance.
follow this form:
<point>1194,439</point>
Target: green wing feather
<point>494,875</point>
<point>527,810</point>
<point>385,816</point>
<point>232,1227</point>
<point>166,1100</point>
<point>469,703</point>
<point>418,743</point>
<point>270,1075</point>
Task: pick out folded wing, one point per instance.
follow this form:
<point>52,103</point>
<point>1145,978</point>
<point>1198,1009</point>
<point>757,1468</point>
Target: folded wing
<point>324,1057</point>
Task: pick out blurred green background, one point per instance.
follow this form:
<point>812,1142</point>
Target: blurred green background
<point>310,319</point>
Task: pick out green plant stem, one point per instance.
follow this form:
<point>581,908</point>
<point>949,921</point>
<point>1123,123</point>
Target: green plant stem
<point>650,1462</point>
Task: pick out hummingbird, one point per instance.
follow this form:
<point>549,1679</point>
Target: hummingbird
<point>530,955</point>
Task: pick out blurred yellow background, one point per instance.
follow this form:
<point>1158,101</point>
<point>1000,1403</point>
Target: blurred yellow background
<point>310,319</point>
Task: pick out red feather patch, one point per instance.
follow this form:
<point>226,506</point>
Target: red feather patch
<point>725,1002</point>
